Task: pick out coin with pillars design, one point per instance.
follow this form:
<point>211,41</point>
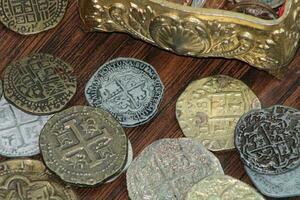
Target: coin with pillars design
<point>209,109</point>
<point>83,145</point>
<point>40,84</point>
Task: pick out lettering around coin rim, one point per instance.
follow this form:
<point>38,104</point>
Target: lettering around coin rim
<point>84,146</point>
<point>130,89</point>
<point>25,18</point>
<point>268,140</point>
<point>40,84</point>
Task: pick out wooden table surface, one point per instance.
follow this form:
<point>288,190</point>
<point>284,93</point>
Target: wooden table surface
<point>88,51</point>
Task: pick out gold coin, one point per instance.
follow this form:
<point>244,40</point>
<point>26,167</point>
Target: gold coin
<point>209,109</point>
<point>219,187</point>
<point>84,145</point>
<point>31,16</point>
<point>28,180</point>
<point>40,84</point>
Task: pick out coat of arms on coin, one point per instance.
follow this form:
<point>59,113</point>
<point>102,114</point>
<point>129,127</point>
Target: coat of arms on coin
<point>209,109</point>
<point>168,168</point>
<point>28,180</point>
<point>83,145</point>
<point>129,89</point>
<point>40,84</point>
<point>31,16</point>
<point>268,140</point>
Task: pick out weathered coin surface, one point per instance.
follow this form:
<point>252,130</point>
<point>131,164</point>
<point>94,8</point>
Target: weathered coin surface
<point>129,89</point>
<point>19,131</point>
<point>39,84</point>
<point>31,16</point>
<point>29,180</point>
<point>268,140</point>
<point>168,168</point>
<point>209,109</point>
<point>84,145</point>
<point>218,187</point>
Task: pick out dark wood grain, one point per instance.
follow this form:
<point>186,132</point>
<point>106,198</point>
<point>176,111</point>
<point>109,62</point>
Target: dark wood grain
<point>87,51</point>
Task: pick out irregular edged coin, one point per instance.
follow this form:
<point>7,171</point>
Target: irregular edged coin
<point>168,168</point>
<point>40,84</point>
<point>129,89</point>
<point>268,140</point>
<point>83,145</point>
<point>19,131</point>
<point>209,109</point>
<point>29,179</point>
<point>31,16</point>
<point>222,188</point>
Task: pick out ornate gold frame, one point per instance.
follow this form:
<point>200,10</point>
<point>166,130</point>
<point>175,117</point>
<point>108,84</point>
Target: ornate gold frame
<point>265,44</point>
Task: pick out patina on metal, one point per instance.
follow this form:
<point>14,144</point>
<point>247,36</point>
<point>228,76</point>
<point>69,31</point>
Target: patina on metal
<point>28,179</point>
<point>31,16</point>
<point>39,84</point>
<point>168,168</point>
<point>209,109</point>
<point>84,146</point>
<point>222,188</point>
<point>268,140</point>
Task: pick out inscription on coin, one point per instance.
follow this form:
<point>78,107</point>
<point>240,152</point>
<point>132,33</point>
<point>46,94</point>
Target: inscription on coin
<point>39,84</point>
<point>84,145</point>
<point>19,131</point>
<point>268,140</point>
<point>129,89</point>
<point>168,168</point>
<point>31,16</point>
<point>209,109</point>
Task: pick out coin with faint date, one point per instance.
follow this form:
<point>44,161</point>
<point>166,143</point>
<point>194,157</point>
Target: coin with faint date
<point>222,188</point>
<point>31,16</point>
<point>268,140</point>
<point>39,84</point>
<point>129,89</point>
<point>29,180</point>
<point>84,146</point>
<point>209,109</point>
<point>19,131</point>
<point>168,168</point>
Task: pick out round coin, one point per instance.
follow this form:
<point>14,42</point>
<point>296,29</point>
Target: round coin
<point>40,84</point>
<point>222,188</point>
<point>268,140</point>
<point>209,109</point>
<point>31,16</point>
<point>168,168</point>
<point>19,131</point>
<point>29,180</point>
<point>83,145</point>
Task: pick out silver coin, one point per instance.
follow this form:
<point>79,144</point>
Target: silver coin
<point>268,140</point>
<point>277,186</point>
<point>129,89</point>
<point>19,131</point>
<point>168,168</point>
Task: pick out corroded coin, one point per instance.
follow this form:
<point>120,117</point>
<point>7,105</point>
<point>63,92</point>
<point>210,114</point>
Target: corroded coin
<point>29,180</point>
<point>168,168</point>
<point>31,16</point>
<point>19,131</point>
<point>222,188</point>
<point>209,109</point>
<point>268,140</point>
<point>84,145</point>
<point>129,89</point>
<point>39,84</point>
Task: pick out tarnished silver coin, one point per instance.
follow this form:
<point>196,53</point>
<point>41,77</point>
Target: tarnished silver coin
<point>268,140</point>
<point>168,168</point>
<point>19,131</point>
<point>277,186</point>
<point>129,89</point>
